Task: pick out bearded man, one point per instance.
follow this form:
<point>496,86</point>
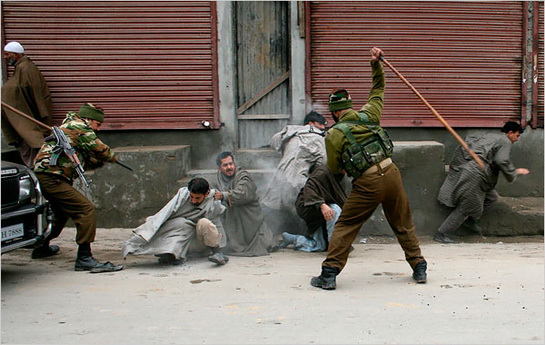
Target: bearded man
<point>26,91</point>
<point>243,220</point>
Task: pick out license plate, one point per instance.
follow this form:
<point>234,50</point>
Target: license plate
<point>12,231</point>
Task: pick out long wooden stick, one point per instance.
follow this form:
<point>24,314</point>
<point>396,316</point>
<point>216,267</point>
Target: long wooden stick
<point>439,117</point>
<point>28,117</point>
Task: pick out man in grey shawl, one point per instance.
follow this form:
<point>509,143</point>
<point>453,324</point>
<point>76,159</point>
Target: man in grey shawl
<point>189,222</point>
<point>468,188</point>
<point>243,220</point>
<point>319,204</point>
<point>302,148</point>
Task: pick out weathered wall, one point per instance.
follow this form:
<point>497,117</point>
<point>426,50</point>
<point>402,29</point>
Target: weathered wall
<point>124,198</point>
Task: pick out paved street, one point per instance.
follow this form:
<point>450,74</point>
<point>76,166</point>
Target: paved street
<point>488,291</point>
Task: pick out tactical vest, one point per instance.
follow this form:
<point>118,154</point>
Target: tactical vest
<point>360,156</point>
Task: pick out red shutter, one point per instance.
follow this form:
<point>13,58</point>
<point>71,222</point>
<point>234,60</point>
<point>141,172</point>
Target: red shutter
<point>463,57</point>
<point>538,7</point>
<point>150,65</point>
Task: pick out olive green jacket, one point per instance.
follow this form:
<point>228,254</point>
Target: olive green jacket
<point>336,142</point>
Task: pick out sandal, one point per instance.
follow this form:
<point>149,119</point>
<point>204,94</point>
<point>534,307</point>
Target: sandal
<point>106,267</point>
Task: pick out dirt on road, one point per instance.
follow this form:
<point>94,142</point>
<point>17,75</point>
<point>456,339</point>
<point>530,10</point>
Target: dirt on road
<point>483,291</point>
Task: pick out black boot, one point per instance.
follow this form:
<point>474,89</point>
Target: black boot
<point>44,251</point>
<point>326,280</point>
<point>218,257</point>
<point>86,262</point>
<point>419,272</point>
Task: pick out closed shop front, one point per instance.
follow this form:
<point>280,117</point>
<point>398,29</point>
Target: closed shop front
<point>150,65</point>
<point>540,64</point>
<point>465,58</point>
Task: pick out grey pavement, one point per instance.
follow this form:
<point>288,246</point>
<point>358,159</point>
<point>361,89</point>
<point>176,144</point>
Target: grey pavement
<point>484,291</point>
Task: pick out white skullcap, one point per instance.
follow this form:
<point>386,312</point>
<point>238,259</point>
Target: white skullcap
<point>14,47</point>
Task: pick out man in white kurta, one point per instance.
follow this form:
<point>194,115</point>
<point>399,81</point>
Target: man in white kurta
<point>190,221</point>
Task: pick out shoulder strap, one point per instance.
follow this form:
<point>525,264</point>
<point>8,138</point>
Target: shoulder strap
<point>344,126</point>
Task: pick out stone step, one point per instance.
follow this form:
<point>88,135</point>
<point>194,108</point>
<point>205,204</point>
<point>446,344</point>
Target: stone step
<point>514,216</point>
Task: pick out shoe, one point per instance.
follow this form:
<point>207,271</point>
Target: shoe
<point>88,263</point>
<point>419,272</point>
<point>44,252</point>
<point>218,258</point>
<point>225,257</point>
<point>282,245</point>
<point>442,238</point>
<point>106,267</point>
<point>473,225</point>
<point>168,259</point>
<point>326,280</point>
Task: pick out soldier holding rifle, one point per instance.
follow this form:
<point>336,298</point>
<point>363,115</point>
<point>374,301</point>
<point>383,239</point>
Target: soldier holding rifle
<point>56,170</point>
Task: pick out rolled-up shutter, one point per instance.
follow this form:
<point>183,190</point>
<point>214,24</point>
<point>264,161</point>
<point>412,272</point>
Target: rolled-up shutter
<point>463,57</point>
<point>150,65</point>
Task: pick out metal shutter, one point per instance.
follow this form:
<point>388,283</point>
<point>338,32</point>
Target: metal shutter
<point>538,6</point>
<point>463,57</point>
<point>150,65</point>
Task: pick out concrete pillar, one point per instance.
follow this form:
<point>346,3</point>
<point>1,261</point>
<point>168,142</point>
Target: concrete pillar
<point>226,76</point>
<point>297,78</point>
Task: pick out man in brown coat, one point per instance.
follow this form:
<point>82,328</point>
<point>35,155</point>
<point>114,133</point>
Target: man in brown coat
<point>26,91</point>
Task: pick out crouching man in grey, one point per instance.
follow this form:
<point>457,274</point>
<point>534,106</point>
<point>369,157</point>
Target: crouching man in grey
<point>189,222</point>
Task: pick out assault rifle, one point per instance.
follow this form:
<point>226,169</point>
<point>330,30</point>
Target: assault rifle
<point>60,134</point>
<point>64,146</point>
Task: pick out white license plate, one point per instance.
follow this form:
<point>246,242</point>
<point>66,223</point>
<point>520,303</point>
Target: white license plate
<point>13,231</point>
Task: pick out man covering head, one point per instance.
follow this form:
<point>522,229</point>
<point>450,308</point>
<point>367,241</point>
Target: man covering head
<point>302,149</point>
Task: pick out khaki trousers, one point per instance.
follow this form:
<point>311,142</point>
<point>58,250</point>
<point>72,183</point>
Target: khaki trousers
<point>385,187</point>
<point>66,202</point>
<point>207,233</point>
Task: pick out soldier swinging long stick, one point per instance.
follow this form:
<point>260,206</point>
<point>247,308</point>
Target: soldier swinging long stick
<point>61,138</point>
<point>439,117</point>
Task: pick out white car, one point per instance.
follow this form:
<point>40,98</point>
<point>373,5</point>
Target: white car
<point>26,215</point>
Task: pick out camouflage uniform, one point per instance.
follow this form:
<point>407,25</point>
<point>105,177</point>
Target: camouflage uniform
<point>56,181</point>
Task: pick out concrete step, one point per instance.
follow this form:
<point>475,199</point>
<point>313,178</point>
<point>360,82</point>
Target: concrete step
<point>514,217</point>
